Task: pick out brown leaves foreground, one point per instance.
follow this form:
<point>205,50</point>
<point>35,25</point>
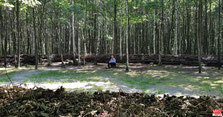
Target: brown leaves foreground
<point>40,102</point>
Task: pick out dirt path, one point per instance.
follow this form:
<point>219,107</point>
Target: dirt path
<point>107,83</point>
<point>21,77</point>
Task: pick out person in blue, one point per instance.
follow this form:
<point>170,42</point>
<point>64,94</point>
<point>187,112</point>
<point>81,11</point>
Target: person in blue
<point>112,62</point>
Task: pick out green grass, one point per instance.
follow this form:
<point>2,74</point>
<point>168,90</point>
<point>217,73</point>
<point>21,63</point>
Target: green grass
<point>11,71</point>
<point>4,79</point>
<point>210,80</point>
<point>3,76</point>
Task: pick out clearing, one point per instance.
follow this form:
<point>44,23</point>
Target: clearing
<point>173,80</point>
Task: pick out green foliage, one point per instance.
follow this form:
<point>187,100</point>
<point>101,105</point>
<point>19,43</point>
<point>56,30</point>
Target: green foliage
<point>31,3</point>
<point>6,4</point>
<point>108,37</point>
<point>151,5</point>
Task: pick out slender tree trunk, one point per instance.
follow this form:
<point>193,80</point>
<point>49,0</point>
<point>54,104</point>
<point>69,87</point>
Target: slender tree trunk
<point>35,38</point>
<point>73,37</point>
<point>189,44</point>
<point>154,32</point>
<point>206,30</point>
<point>28,36</point>
<point>97,41</point>
<point>176,31</point>
<point>47,50</point>
<point>85,45</point>
<point>79,50</point>
<point>6,42</point>
<point>219,35</point>
<point>61,48</point>
<point>2,36</point>
<point>120,42</point>
<point>1,24</point>
<point>127,36</point>
<point>115,43</point>
<point>199,34</point>
<point>18,33</point>
<point>161,35</point>
<point>95,37</point>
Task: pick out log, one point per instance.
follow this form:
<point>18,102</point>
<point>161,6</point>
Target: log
<point>189,60</point>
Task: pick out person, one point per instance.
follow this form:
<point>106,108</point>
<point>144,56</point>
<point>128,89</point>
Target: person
<point>112,62</point>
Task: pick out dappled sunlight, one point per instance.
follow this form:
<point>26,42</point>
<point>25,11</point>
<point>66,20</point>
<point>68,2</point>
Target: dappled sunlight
<point>116,73</point>
<point>73,85</point>
<point>187,87</point>
<point>214,85</point>
<point>206,81</point>
<point>65,71</point>
<point>156,74</point>
<point>132,74</point>
<point>219,81</point>
<point>149,79</point>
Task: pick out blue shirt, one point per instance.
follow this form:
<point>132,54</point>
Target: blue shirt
<point>112,60</point>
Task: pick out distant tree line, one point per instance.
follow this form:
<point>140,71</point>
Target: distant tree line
<point>81,27</point>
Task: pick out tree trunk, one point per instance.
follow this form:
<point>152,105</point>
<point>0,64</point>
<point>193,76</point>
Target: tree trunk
<point>6,42</point>
<point>2,36</point>
<point>206,30</point>
<point>176,31</point>
<point>154,32</point>
<point>18,33</point>
<point>127,37</point>
<point>79,50</point>
<point>85,44</point>
<point>73,37</point>
<point>35,38</point>
<point>28,36</point>
<point>219,36</point>
<point>199,34</point>
<point>120,42</point>
<point>115,28</point>
<point>161,35</point>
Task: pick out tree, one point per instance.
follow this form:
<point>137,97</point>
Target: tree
<point>176,31</point>
<point>99,27</point>
<point>199,34</point>
<point>161,33</point>
<point>127,36</point>
<point>35,38</point>
<point>219,35</point>
<point>18,33</point>
<point>73,36</point>
<point>154,32</point>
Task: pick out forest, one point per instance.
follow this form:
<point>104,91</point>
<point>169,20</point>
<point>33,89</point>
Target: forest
<point>96,27</point>
<point>164,58</point>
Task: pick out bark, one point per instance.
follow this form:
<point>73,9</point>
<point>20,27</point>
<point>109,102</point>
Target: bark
<point>2,35</point>
<point>73,36</point>
<point>219,35</point>
<point>199,34</point>
<point>154,32</point>
<point>120,41</point>
<point>79,50</point>
<point>18,32</point>
<point>176,31</point>
<point>206,30</point>
<point>161,34</point>
<point>127,37</point>
<point>35,38</point>
<point>115,28</point>
<point>28,36</point>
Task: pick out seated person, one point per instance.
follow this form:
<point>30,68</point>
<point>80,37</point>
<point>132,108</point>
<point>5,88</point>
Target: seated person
<point>112,62</point>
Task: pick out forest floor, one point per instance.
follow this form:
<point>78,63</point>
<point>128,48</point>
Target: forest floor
<point>168,79</point>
